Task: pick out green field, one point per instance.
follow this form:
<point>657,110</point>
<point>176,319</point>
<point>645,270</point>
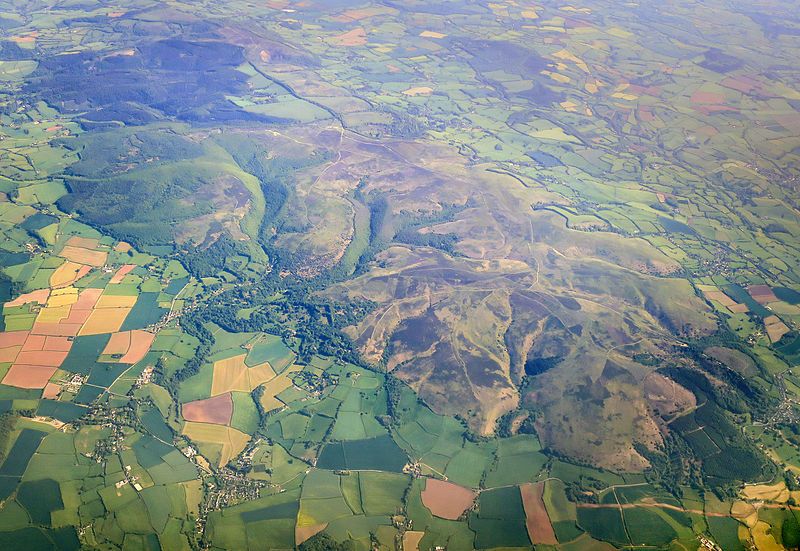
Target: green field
<point>603,524</point>
<point>500,520</point>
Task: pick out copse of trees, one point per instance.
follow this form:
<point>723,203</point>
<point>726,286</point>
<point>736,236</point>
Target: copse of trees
<point>192,323</point>
<point>324,542</point>
<point>209,261</point>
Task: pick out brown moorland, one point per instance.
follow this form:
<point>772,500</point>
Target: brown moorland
<point>519,284</point>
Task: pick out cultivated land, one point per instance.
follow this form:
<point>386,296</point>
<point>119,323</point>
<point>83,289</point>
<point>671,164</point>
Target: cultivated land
<point>380,275</point>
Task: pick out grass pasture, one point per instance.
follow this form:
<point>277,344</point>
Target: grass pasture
<point>251,524</point>
<point>274,463</point>
<point>500,519</point>
<point>646,527</point>
<point>518,461</point>
<point>245,415</point>
<point>17,459</point>
<point>40,498</point>
<point>561,511</point>
<point>380,454</point>
<point>604,524</point>
<point>725,532</point>
<point>382,492</point>
<point>269,349</point>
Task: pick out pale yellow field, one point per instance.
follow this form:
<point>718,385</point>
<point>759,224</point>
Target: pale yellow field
<point>118,343</point>
<point>568,56</point>
<point>194,495</point>
<point>229,375</point>
<point>259,374</point>
<point>232,374</point>
<point>84,256</point>
<point>231,440</point>
<point>411,540</point>
<point>745,512</point>
<point>107,320</point>
<point>275,387</point>
<point>112,301</point>
<point>419,91</point>
<point>83,242</point>
<point>62,297</point>
<point>720,297</point>
<point>67,273</point>
<point>769,492</point>
<point>53,314</point>
<point>554,134</point>
<point>763,539</point>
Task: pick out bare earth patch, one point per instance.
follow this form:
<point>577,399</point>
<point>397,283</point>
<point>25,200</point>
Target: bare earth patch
<point>302,533</point>
<point>445,499</point>
<point>356,37</point>
<point>217,410</point>
<point>540,530</point>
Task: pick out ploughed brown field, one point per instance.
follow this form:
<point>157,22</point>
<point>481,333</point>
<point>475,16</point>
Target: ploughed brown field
<point>34,358</point>
<point>540,530</point>
<point>80,255</point>
<point>217,410</point>
<point>131,346</point>
<point>28,376</point>
<point>445,499</point>
<point>121,273</point>
<point>302,533</point>
<point>762,294</point>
